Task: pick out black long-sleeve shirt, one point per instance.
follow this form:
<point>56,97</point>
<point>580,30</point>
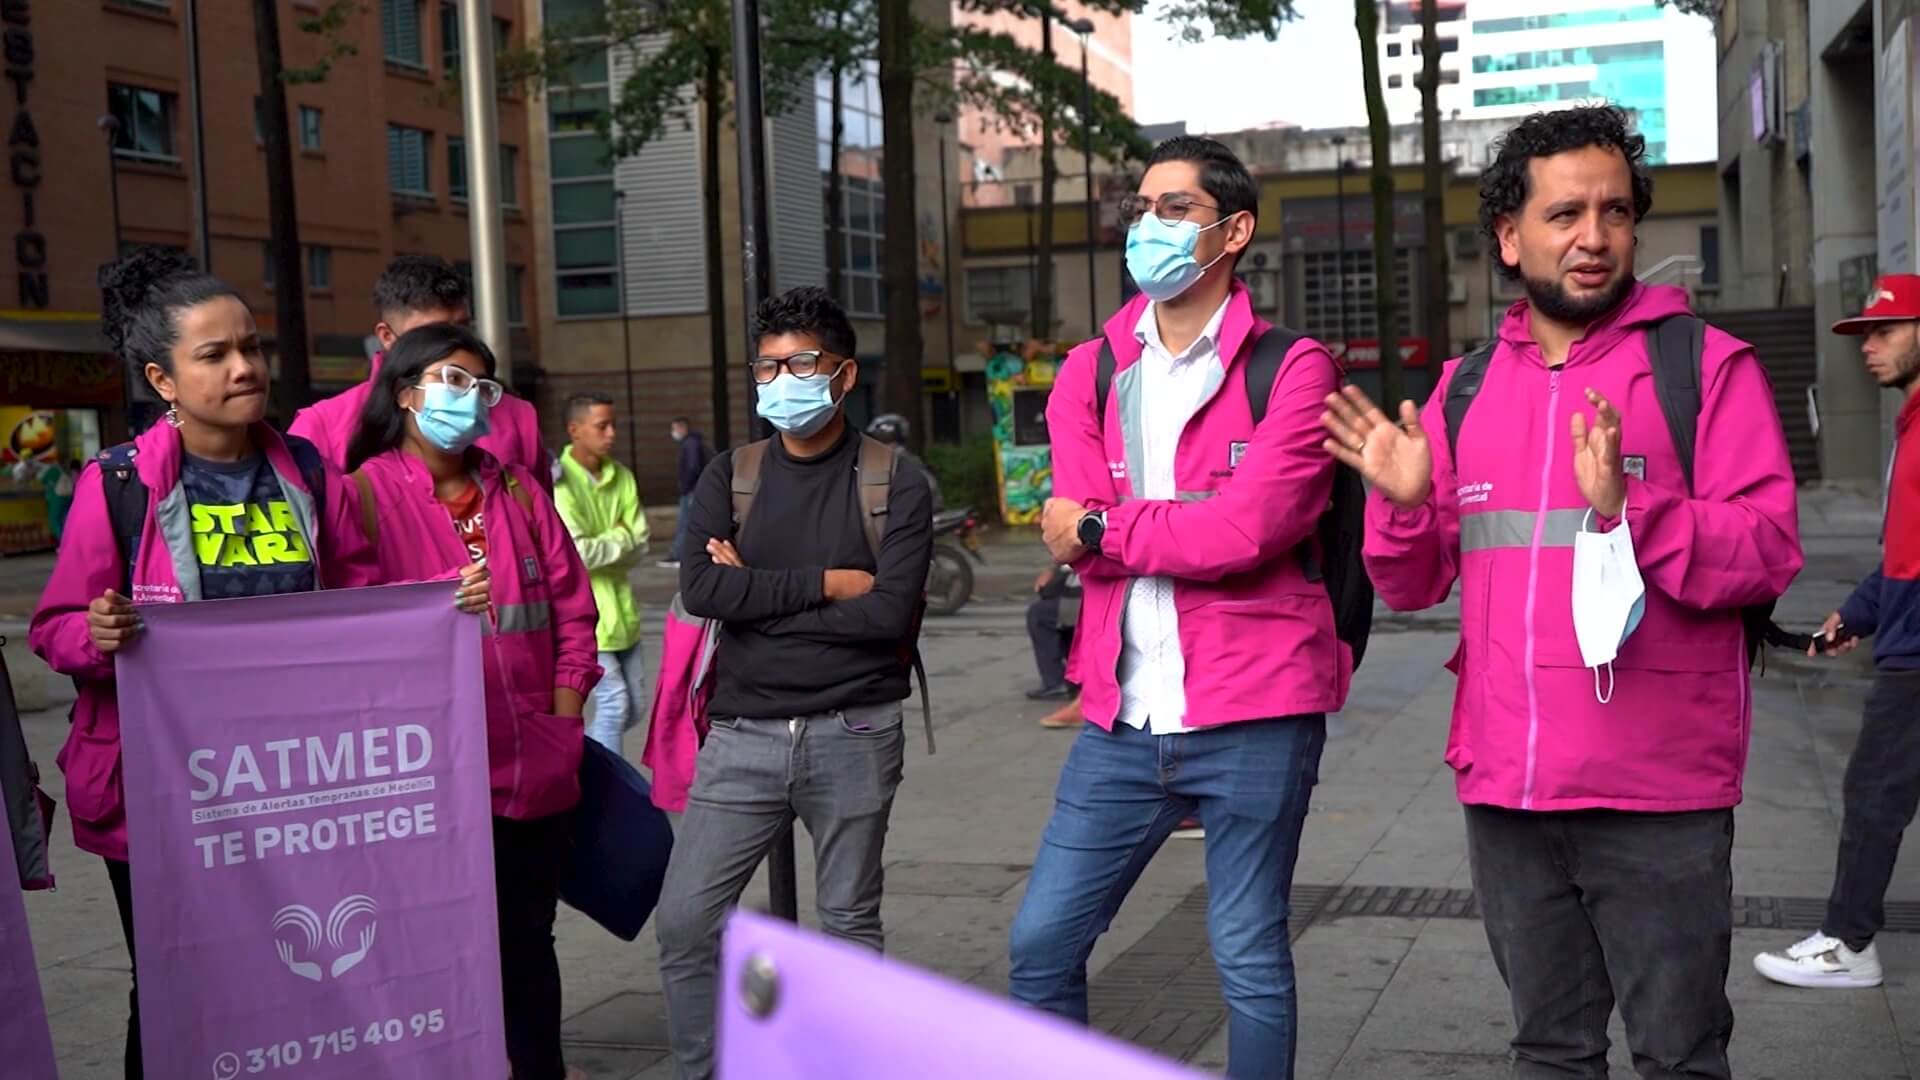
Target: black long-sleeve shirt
<point>785,650</point>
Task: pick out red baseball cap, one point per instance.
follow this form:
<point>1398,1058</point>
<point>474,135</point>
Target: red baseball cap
<point>1895,298</point>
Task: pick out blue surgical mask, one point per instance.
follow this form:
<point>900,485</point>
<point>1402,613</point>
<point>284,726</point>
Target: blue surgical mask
<point>448,420</point>
<point>796,406</point>
<point>1160,255</point>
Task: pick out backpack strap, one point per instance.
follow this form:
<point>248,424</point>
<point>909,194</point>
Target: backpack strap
<point>313,470</point>
<point>369,514</point>
<point>746,480</point>
<point>1461,389</point>
<point>878,461</point>
<point>126,497</point>
<point>1103,368</point>
<point>1264,361</point>
<point>1674,351</point>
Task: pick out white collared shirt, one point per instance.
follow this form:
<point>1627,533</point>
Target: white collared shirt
<point>1153,673</point>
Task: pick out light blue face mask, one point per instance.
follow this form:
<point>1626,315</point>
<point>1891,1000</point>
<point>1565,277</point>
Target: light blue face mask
<point>1160,255</point>
<point>796,406</point>
<point>449,420</point>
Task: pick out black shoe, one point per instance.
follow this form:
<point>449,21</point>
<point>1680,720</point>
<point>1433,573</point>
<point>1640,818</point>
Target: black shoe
<point>1062,692</point>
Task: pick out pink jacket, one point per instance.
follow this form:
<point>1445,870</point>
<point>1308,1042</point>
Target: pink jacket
<point>678,724</point>
<point>514,440</point>
<point>166,571</point>
<point>1528,732</point>
<point>540,634</point>
<point>1257,636</point>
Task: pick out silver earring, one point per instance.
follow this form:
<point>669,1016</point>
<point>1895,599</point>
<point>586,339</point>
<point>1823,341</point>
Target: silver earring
<point>173,416</point>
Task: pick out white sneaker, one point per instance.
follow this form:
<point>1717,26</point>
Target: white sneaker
<point>1822,963</point>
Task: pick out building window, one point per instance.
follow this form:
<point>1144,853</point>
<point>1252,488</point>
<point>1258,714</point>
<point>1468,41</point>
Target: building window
<point>1449,76</point>
<point>1393,48</point>
<point>573,12</point>
<point>585,255</point>
<point>309,128</point>
<point>457,171</point>
<point>164,6</point>
<point>1529,95</point>
<point>1576,18</point>
<point>1710,256</point>
<point>1001,295</point>
<point>516,296</point>
<point>319,267</point>
<point>146,123</point>
<point>407,172</point>
<point>400,32</point>
<point>450,39</point>
<point>1394,82</point>
<point>863,198</point>
<point>1322,285</point>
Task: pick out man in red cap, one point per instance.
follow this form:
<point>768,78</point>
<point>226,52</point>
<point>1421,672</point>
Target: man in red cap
<point>1882,788</point>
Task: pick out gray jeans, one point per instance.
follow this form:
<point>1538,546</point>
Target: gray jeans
<point>837,772</point>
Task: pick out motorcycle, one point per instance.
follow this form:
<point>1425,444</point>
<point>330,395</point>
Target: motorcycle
<point>956,539</point>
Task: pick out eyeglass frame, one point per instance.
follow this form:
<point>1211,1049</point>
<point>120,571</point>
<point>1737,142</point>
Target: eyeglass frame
<point>1150,204</point>
<point>786,363</point>
<point>439,375</point>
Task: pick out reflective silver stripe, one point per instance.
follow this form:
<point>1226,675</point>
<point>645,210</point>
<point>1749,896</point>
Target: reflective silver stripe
<point>522,618</point>
<point>1126,391</point>
<point>1514,528</point>
<point>1196,496</point>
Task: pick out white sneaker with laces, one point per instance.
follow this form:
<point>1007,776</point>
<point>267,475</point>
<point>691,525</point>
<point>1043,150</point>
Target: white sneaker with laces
<point>1821,962</point>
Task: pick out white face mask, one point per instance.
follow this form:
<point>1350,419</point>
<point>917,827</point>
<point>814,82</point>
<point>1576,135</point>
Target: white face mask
<point>1608,597</point>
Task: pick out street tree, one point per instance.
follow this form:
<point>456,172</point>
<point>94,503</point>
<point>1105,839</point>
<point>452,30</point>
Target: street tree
<point>1366,21</point>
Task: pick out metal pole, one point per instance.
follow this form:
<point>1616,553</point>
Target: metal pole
<point>1340,202</point>
<point>629,420</point>
<point>202,228</point>
<point>1085,27</point>
<point>477,82</point>
<point>946,267</point>
<point>757,282</point>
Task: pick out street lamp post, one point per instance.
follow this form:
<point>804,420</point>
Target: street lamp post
<point>1084,28</point>
<point>1340,210</point>
<point>757,281</point>
<point>626,328</point>
<point>201,225</point>
<point>945,119</point>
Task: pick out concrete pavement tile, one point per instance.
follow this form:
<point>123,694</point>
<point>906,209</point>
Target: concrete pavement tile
<point>1784,1041</point>
<point>602,1063</point>
<point>1344,956</point>
<point>625,1021</point>
<point>1377,1064</point>
<point>1441,998</point>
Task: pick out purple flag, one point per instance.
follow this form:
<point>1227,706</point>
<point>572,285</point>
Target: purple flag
<point>311,838</point>
<point>25,1044</point>
<point>837,1010</point>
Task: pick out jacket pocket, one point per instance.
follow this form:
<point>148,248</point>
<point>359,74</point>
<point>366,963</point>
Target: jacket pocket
<point>550,750</point>
<point>91,764</point>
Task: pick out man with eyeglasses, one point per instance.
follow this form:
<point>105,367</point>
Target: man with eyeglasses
<point>805,719</point>
<point>419,290</point>
<point>1187,480</point>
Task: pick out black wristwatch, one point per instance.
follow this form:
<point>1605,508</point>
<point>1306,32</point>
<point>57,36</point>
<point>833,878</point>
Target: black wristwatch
<point>1092,529</point>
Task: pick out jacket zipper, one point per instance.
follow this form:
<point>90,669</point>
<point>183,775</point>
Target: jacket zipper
<point>492,640</point>
<point>1533,587</point>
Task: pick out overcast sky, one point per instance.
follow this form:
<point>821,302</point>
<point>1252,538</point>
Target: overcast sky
<point>1310,76</point>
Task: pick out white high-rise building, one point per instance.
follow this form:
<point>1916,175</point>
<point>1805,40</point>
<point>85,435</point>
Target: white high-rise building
<point>1508,58</point>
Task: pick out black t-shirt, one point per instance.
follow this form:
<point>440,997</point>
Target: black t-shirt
<point>244,533</point>
<point>784,650</point>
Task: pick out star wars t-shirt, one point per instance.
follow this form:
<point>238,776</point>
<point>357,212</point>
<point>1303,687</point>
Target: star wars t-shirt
<point>244,532</point>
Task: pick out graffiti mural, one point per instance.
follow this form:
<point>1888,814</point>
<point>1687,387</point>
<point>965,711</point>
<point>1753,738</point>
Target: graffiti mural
<point>1017,385</point>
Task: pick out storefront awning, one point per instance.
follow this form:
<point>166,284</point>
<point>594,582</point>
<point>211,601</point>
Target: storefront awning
<point>52,335</point>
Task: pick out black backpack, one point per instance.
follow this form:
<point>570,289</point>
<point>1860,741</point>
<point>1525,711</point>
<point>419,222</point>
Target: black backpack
<point>1332,555</point>
<point>1675,347</point>
<point>127,496</point>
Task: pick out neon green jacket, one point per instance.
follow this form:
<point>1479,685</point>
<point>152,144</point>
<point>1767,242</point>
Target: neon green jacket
<point>609,526</point>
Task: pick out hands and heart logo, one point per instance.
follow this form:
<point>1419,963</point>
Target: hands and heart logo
<point>301,957</point>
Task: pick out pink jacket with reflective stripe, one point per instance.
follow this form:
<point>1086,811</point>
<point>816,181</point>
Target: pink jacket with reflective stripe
<point>514,438</point>
<point>166,571</point>
<point>1528,732</point>
<point>1257,636</point>
<point>540,634</point>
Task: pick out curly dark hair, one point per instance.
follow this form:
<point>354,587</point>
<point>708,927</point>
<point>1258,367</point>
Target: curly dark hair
<point>141,295</point>
<point>1504,186</point>
<point>418,283</point>
<point>806,310</point>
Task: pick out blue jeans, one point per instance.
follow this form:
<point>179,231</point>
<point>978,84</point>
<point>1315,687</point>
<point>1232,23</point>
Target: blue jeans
<point>1120,795</point>
<point>620,696</point>
<point>679,549</point>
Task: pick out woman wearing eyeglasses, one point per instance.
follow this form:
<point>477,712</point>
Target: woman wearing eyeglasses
<point>434,505</point>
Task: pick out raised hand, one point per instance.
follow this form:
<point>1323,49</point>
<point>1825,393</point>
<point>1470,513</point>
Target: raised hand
<point>1396,459</point>
<point>1596,458</point>
<point>111,622</point>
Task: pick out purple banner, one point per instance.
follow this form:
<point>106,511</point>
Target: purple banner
<point>25,1044</point>
<point>311,839</point>
<point>796,1006</point>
